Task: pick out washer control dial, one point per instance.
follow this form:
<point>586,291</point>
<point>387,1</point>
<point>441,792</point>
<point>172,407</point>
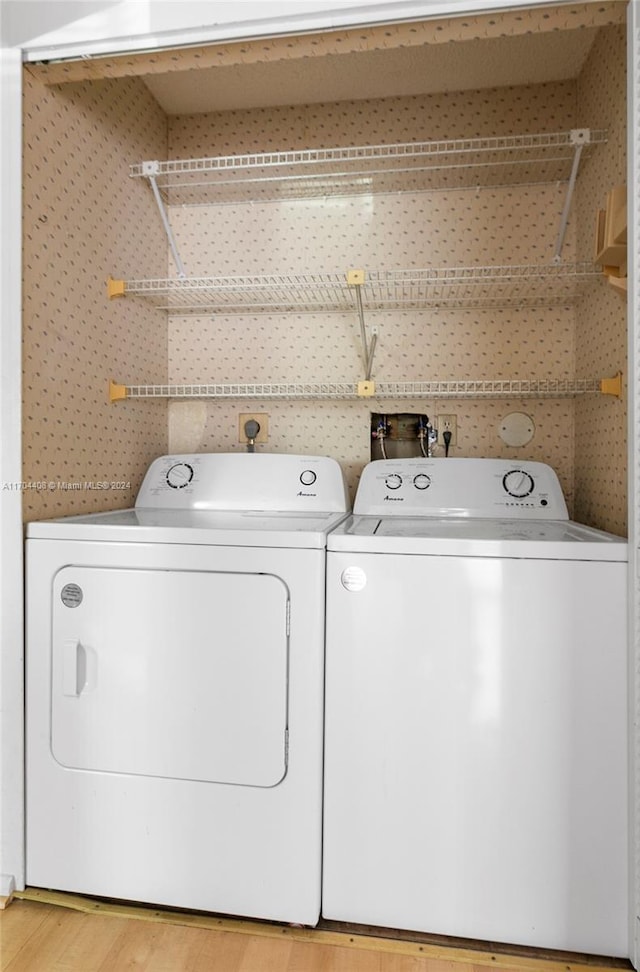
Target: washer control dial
<point>308,477</point>
<point>422,481</point>
<point>179,475</point>
<point>518,483</point>
<point>394,481</point>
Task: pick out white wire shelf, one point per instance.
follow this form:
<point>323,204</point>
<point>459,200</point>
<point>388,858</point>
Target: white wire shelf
<point>399,167</point>
<point>458,287</point>
<point>345,391</point>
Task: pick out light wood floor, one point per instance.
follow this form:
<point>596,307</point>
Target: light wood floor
<point>37,936</point>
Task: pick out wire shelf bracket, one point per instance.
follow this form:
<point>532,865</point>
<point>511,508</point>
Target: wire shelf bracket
<point>579,138</point>
<point>355,280</point>
<point>151,170</point>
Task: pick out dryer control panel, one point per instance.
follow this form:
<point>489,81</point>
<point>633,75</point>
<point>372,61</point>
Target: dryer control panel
<point>461,487</point>
<point>244,481</point>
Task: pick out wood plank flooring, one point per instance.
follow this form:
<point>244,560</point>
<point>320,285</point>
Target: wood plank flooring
<point>94,936</point>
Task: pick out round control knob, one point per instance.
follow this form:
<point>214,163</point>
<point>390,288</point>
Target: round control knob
<point>308,477</point>
<point>394,481</point>
<point>179,475</point>
<point>422,481</point>
<point>518,483</point>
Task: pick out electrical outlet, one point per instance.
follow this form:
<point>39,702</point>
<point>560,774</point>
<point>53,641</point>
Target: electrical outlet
<point>447,423</point>
<point>261,418</point>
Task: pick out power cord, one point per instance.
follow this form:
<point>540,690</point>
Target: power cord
<point>446,438</point>
<point>381,433</point>
<point>423,428</point>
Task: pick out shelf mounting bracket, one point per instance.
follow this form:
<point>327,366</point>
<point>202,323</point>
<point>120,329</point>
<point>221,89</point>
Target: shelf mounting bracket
<point>115,288</point>
<point>150,170</point>
<point>612,386</point>
<point>117,392</point>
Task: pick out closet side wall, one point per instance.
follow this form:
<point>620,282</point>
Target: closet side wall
<point>447,228</point>
<point>84,219</point>
<point>601,319</point>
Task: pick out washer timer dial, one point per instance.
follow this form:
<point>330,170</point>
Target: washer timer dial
<point>518,483</point>
<point>179,475</point>
<point>422,481</point>
<point>394,481</point>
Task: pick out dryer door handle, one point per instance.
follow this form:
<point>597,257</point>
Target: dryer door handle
<point>72,651</point>
<point>78,668</point>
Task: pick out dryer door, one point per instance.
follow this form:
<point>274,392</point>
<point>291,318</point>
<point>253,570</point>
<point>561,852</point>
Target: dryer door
<point>169,673</point>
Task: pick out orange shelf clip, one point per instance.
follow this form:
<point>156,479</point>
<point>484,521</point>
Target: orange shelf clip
<point>117,393</point>
<point>612,386</point>
<point>115,288</point>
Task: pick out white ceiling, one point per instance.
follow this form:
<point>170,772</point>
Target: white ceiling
<point>494,62</point>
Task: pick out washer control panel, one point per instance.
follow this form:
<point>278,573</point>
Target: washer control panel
<point>262,482</point>
<point>460,487</point>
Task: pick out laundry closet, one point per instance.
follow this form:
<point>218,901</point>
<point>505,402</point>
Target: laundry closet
<point>326,231</point>
<point>477,299</point>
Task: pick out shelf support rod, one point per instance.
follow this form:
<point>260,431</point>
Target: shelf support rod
<point>355,279</point>
<point>580,137</point>
<point>165,222</point>
<point>363,329</point>
<point>372,348</point>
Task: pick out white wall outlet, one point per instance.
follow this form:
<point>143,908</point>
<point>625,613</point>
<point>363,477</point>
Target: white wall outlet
<point>447,423</point>
<point>262,418</point>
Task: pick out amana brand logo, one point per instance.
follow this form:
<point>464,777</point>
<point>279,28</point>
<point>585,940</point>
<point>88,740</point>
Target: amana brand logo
<point>305,494</point>
<point>395,499</point>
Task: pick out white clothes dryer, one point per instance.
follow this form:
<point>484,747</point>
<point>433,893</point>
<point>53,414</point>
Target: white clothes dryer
<point>475,721</point>
<point>175,657</point>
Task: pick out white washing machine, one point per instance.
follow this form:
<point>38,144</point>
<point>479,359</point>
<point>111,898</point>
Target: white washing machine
<point>175,658</point>
<point>475,720</point>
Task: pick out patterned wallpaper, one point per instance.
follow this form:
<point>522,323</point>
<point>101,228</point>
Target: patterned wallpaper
<point>454,228</point>
<point>465,114</point>
<point>601,320</point>
<point>83,220</point>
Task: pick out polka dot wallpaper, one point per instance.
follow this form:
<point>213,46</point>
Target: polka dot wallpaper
<point>82,221</point>
<point>601,320</point>
<point>465,114</point>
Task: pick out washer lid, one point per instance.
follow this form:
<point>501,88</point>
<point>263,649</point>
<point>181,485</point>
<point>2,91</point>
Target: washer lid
<point>238,529</point>
<point>465,537</point>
